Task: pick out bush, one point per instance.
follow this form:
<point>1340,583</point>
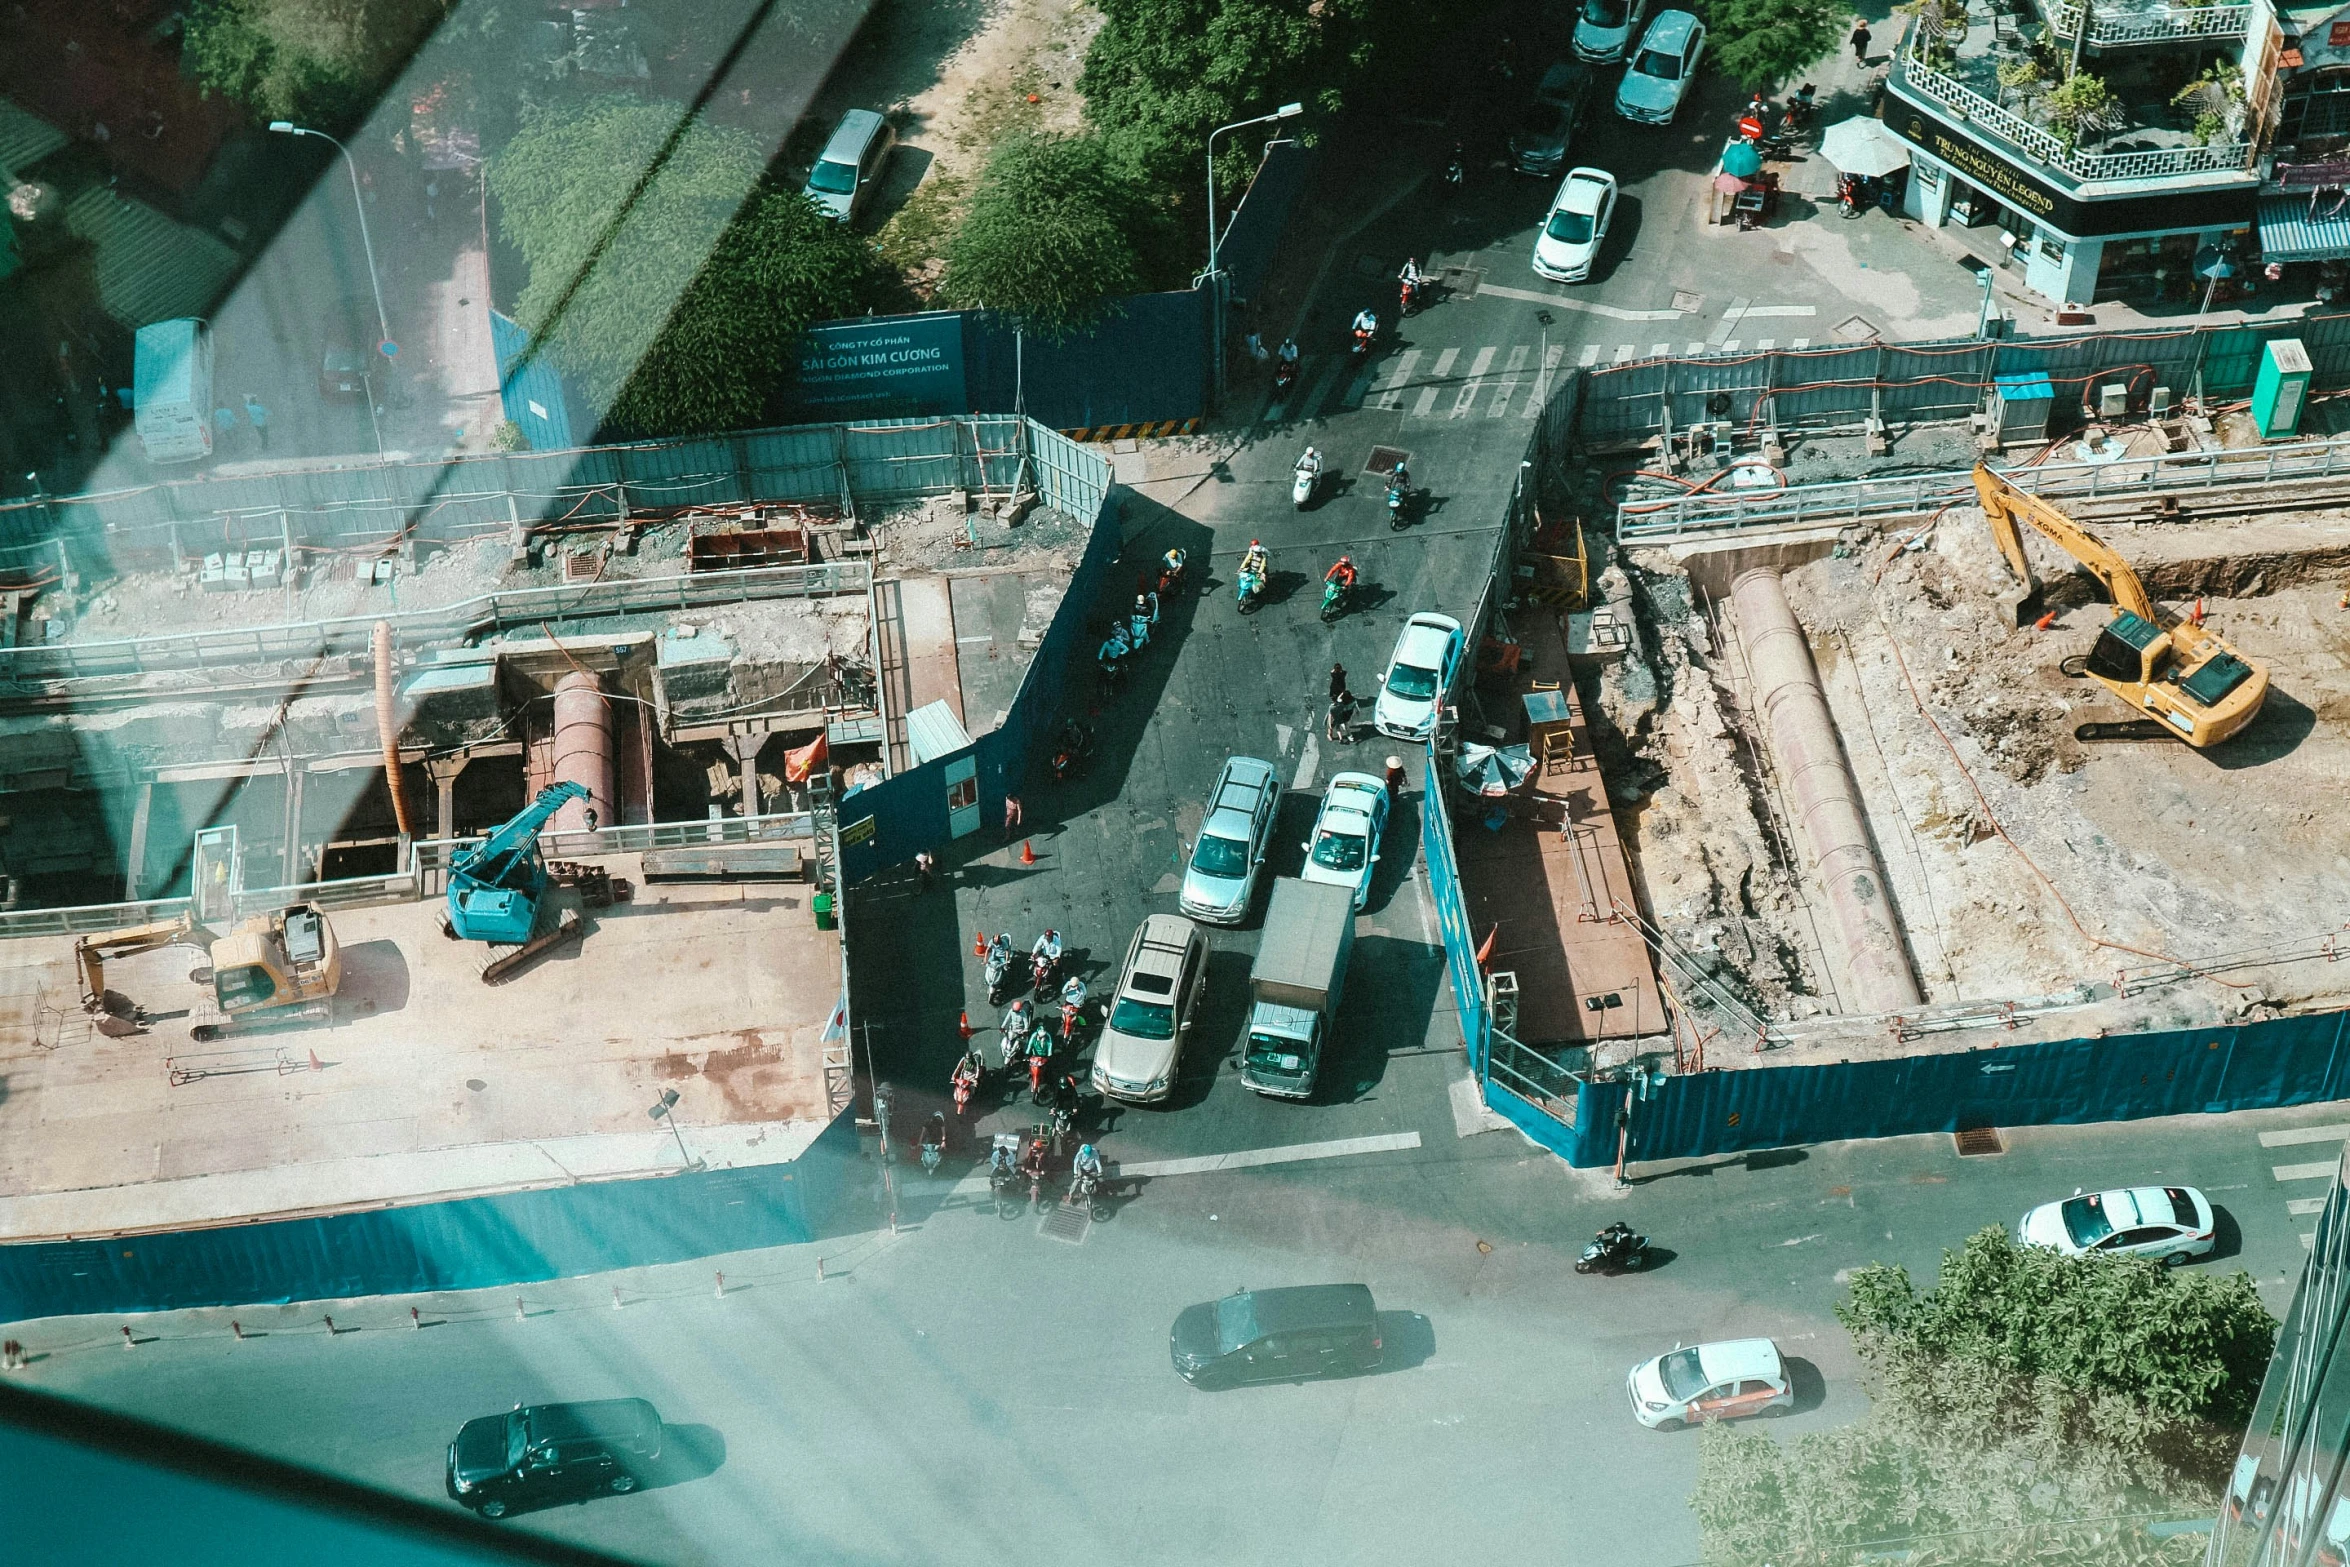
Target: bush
<point>322,62</point>
<point>1053,233</point>
<point>1760,43</point>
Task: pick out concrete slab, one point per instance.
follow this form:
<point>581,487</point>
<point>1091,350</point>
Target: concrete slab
<point>989,610</point>
<point>425,1083</point>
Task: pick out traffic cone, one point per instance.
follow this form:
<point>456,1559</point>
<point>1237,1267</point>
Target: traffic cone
<point>979,944</point>
<point>2045,621</point>
<point>1027,852</point>
<point>315,1064</point>
<point>963,1026</point>
<point>1485,952</point>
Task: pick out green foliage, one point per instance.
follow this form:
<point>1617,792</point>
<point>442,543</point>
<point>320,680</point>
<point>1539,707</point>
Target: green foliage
<point>676,313</point>
<point>507,436</point>
<point>1052,232</point>
<point>1760,43</point>
<point>2021,80</point>
<point>2030,1408</point>
<point>2082,106</point>
<point>322,62</point>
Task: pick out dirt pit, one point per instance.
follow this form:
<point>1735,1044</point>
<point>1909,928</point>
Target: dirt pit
<point>2022,861</point>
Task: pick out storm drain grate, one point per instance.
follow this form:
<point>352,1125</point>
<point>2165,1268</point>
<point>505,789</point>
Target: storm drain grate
<point>1461,282</point>
<point>1065,1223</point>
<point>1383,459</point>
<point>1977,1141</point>
<point>1689,302</point>
<point>1858,328</point>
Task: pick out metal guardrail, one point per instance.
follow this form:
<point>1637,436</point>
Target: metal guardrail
<point>428,858</point>
<point>467,618</point>
<point>2177,473</point>
<point>2044,147</point>
<point>2111,26</point>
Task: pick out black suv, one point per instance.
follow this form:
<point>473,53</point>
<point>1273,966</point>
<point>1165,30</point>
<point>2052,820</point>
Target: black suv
<point>1280,1335</point>
<point>549,1451</point>
<point>1539,140</point>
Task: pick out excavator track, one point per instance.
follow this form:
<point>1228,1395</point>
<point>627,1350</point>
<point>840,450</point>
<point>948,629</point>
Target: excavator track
<point>2124,729</point>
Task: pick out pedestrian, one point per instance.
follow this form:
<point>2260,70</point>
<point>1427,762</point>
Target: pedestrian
<point>11,1355</point>
<point>1011,815</point>
<point>1337,681</point>
<point>260,418</point>
<point>926,867</point>
<point>224,425</point>
<point>1256,348</point>
<point>1860,40</point>
<point>1394,778</point>
<point>1340,729</point>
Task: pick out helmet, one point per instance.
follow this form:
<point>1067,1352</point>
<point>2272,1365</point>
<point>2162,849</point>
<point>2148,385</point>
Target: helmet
<point>1085,1152</point>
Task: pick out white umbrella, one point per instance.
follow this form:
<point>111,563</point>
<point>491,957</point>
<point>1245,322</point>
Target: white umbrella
<point>1864,147</point>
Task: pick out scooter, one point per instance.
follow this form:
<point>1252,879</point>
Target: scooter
<point>1040,1056</point>
<point>1171,574</point>
<point>1248,590</point>
<point>1071,751</point>
<point>1040,973</point>
<point>1362,340</point>
<point>1015,1029</point>
<point>1851,197</point>
<point>934,1142</point>
<point>1333,599</point>
<point>968,1073</point>
<point>1410,300</point>
<point>1614,1250</point>
<point>1301,483</point>
<point>1396,496</point>
<point>999,969</point>
<point>1284,376</point>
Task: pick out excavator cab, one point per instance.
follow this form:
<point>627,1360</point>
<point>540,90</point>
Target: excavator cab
<point>279,959</point>
<point>2129,648</point>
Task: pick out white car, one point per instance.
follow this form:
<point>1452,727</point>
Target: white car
<point>1345,844</point>
<point>1662,69</point>
<point>1695,1382</point>
<point>1419,672</point>
<point>2170,1222</point>
<point>1604,31</point>
<point>1579,214</point>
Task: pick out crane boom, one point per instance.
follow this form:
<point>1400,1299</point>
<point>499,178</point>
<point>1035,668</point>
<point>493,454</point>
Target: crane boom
<point>2004,505</point>
<point>492,859</point>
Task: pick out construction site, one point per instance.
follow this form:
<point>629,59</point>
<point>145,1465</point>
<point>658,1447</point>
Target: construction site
<point>478,859</point>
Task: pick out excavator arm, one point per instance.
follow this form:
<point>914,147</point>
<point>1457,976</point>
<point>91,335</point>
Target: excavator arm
<point>2004,506</point>
<point>491,859</point>
<point>91,952</point>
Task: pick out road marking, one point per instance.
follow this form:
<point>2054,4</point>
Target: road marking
<point>2309,1241</point>
<point>1550,362</point>
<point>1295,1153</point>
<point>1306,762</point>
<point>1663,350</point>
<point>1588,307</point>
<point>1752,312</point>
<point>1624,352</point>
<point>1590,356</point>
<point>2305,1134</point>
<point>1696,348</point>
<point>1476,382</point>
<point>1509,381</point>
<point>1801,342</point>
<point>1730,318</point>
<point>1391,395</point>
<point>2301,1206</point>
<point>1731,346</point>
<point>2305,1172</point>
<point>1764,345</point>
<point>1427,398</point>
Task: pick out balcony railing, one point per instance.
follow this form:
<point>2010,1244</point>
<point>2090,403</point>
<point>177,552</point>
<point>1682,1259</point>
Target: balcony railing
<point>2043,147</point>
<point>2112,26</point>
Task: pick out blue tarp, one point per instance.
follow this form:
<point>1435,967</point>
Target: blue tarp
<point>2305,226</point>
<point>532,390</point>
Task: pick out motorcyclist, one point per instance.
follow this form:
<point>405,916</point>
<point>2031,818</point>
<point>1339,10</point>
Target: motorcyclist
<point>1366,324</point>
<point>1411,276</point>
<point>1048,947</point>
<point>1114,647</point>
<point>970,1070</point>
<point>1614,1238</point>
<point>1343,573</point>
<point>1170,569</point>
<point>1032,1160</point>
<point>1399,477</point>
<point>1289,350</point>
<point>1311,465</point>
<point>1018,1020</point>
<point>999,952</point>
<point>1256,561</point>
<point>1088,1166</point>
<point>1143,616</point>
<point>1000,1164</point>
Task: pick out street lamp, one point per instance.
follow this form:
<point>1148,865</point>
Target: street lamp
<point>383,326</point>
<point>660,1112</point>
<point>1215,274</point>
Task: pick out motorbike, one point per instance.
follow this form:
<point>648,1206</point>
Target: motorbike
<point>1248,590</point>
<point>1015,1030</point>
<point>1614,1250</point>
<point>1040,1056</point>
<point>1071,751</point>
<point>1362,340</point>
<point>1396,496</point>
<point>968,1073</point>
<point>1082,1186</point>
<point>1171,574</point>
<point>1851,196</point>
<point>1334,594</point>
<point>1410,298</point>
<point>999,970</point>
<point>1456,172</point>
<point>1799,109</point>
<point>1301,483</point>
<point>934,1142</point>
<point>1040,973</point>
<point>1284,376</point>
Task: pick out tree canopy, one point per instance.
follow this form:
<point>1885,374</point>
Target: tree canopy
<point>2031,1407</point>
<point>1054,230</point>
<point>322,62</point>
<point>1761,43</point>
<point>669,281</point>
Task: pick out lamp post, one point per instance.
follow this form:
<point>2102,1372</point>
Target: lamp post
<point>383,326</point>
<point>661,1112</point>
<point>1215,273</point>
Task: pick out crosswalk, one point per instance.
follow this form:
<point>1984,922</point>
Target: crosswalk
<point>2310,1137</point>
<point>1490,381</point>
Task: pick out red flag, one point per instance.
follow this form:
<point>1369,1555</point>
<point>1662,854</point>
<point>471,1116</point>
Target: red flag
<point>798,764</point>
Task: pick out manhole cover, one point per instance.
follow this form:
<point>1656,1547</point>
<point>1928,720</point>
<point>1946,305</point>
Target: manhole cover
<point>1065,1223</point>
<point>1859,328</point>
<point>1687,301</point>
<point>1977,1141</point>
<point>1369,266</point>
<point>1383,459</point>
<point>1461,282</point>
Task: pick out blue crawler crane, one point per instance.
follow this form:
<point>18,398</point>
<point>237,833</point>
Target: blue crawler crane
<point>495,887</point>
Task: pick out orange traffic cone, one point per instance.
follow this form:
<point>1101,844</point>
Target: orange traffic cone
<point>1485,952</point>
<point>979,944</point>
<point>1027,852</point>
<point>963,1025</point>
<point>2045,621</point>
<point>315,1064</point>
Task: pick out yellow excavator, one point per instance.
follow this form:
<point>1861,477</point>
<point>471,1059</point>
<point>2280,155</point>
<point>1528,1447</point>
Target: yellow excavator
<point>281,967</point>
<point>2195,685</point>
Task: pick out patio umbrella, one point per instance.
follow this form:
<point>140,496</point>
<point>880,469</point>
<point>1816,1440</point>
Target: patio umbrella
<point>1727,182</point>
<point>1741,158</point>
<point>1485,771</point>
<point>1864,147</point>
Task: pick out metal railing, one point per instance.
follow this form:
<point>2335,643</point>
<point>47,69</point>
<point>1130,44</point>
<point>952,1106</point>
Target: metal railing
<point>466,619</point>
<point>2044,147</point>
<point>1852,500</point>
<point>428,858</point>
<point>2111,26</point>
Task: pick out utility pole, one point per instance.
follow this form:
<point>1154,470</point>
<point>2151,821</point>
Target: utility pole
<point>1215,272</point>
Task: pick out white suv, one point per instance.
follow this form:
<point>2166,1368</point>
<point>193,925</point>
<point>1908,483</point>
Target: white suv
<point>1151,1008</point>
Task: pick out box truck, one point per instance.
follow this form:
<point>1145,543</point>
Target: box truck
<point>1295,986</point>
<point>171,390</point>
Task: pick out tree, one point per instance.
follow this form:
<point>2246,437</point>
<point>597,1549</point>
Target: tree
<point>2029,1408</point>
<point>663,276</point>
<point>2082,106</point>
<point>1053,232</point>
<point>1764,42</point>
<point>323,62</point>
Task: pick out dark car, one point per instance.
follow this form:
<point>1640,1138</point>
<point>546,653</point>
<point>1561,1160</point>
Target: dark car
<point>1277,1335</point>
<point>1539,141</point>
<point>344,366</point>
<point>547,1452</point>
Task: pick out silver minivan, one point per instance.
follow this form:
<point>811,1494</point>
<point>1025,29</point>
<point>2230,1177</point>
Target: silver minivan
<point>1222,874</point>
<point>850,164</point>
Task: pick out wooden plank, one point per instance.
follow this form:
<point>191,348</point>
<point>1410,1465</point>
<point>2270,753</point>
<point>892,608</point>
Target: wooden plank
<point>725,862</point>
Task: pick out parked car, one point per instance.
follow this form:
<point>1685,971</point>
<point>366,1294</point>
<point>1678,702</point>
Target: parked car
<point>846,171</point>
<point>549,1452</point>
<point>1344,847</point>
<point>1221,878</point>
<point>1277,1335</point>
<point>1579,216</point>
<point>1604,31</point>
<point>1662,69</point>
<point>1419,672</point>
<point>1150,1009</point>
<point>2170,1222</point>
<point>1538,145</point>
<point>1694,1382</point>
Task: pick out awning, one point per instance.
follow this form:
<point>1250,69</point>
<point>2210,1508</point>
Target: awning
<point>2305,226</point>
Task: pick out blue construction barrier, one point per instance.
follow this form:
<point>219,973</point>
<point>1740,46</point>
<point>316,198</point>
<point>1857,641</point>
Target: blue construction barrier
<point>531,389</point>
<point>1452,913</point>
<point>1253,238</point>
<point>468,1243</point>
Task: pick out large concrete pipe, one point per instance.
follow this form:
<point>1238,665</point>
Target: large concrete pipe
<point>1822,793</point>
<point>583,750</point>
<point>387,727</point>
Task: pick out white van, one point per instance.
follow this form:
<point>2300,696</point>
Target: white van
<point>171,390</point>
<point>850,165</point>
